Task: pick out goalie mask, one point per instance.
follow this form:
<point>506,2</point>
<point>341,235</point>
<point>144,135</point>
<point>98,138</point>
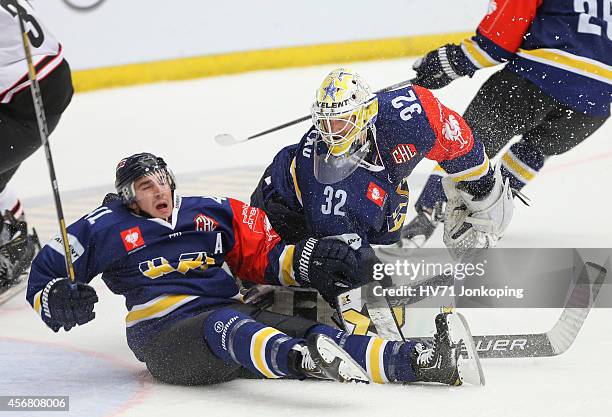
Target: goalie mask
<point>137,166</point>
<point>343,112</point>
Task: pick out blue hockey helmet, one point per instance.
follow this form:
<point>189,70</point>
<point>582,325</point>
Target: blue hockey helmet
<point>136,166</point>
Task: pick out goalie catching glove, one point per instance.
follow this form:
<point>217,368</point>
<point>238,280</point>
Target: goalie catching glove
<point>472,223</point>
<point>65,305</point>
<point>328,265</point>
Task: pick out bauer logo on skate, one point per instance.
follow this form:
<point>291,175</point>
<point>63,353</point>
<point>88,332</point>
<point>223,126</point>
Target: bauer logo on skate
<point>132,238</point>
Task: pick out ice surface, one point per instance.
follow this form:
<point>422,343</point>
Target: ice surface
<point>178,120</point>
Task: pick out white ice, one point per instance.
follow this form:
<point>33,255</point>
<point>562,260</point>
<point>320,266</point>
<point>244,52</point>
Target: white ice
<point>178,120</point>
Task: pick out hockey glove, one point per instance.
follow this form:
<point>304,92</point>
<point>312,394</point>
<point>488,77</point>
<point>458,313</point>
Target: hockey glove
<point>439,67</point>
<point>476,223</point>
<point>66,306</point>
<point>328,265</point>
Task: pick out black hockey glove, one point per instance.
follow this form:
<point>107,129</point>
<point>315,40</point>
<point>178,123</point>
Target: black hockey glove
<point>289,224</point>
<point>439,67</point>
<point>66,306</point>
<point>328,265</point>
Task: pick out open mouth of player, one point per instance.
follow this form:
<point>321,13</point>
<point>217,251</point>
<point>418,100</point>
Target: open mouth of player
<point>161,206</point>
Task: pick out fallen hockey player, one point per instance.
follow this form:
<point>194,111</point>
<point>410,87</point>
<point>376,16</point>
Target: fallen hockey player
<point>186,321</point>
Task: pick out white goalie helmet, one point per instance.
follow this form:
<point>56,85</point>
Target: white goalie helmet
<point>344,110</point>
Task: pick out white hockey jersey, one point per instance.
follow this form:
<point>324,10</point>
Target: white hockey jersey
<point>46,51</point>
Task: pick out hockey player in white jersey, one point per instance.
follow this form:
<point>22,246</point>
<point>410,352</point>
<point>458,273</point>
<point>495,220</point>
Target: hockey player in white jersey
<point>19,134</point>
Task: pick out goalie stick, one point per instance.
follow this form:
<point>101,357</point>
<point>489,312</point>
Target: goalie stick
<point>226,139</point>
<point>551,343</point>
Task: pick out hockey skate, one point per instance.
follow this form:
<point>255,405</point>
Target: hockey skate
<point>451,358</point>
<point>17,249</point>
<point>322,358</point>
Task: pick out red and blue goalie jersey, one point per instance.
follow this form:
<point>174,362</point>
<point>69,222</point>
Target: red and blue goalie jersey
<point>411,125</point>
<point>167,271</point>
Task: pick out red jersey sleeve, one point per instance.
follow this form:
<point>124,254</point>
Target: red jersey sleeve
<point>507,21</point>
<point>453,135</point>
<point>256,244</point>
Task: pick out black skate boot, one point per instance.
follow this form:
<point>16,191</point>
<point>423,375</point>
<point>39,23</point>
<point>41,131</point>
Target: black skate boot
<point>416,233</point>
<point>322,358</point>
<point>17,251</point>
<point>451,357</point>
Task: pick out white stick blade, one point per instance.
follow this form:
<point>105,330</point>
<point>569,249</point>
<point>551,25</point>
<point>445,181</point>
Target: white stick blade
<point>225,139</point>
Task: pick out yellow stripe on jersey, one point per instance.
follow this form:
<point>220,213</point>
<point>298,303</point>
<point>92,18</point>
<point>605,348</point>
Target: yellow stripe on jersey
<point>37,302</point>
<point>516,167</point>
<point>374,362</point>
<point>258,350</point>
<point>298,193</point>
<point>438,170</point>
<point>157,307</point>
<point>473,173</point>
<point>286,274</point>
<point>478,57</point>
<point>569,62</point>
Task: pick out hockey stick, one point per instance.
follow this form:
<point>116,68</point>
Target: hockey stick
<point>227,139</point>
<point>44,134</point>
<point>551,343</point>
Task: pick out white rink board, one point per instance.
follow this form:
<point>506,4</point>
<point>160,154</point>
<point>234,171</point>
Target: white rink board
<point>178,121</point>
<point>131,31</point>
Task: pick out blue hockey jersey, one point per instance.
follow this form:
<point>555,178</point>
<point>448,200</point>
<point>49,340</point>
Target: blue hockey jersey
<point>167,271</point>
<point>372,202</point>
<point>562,46</point>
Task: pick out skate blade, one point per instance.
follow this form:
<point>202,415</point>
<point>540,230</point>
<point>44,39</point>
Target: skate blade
<point>329,356</point>
<point>468,364</point>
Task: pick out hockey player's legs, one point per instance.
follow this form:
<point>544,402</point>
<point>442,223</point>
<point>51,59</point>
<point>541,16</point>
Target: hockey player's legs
<point>180,355</point>
<point>19,136</point>
<point>220,345</point>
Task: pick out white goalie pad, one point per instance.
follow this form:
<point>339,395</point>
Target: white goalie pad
<point>476,224</point>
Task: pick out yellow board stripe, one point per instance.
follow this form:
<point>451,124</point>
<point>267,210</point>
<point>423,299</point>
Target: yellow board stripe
<point>474,173</point>
<point>161,305</point>
<point>266,59</point>
<point>576,62</point>
<point>376,370</point>
<point>286,270</point>
<point>298,193</point>
<point>258,350</point>
<point>517,167</point>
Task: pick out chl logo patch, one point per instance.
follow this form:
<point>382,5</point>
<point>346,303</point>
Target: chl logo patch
<point>204,223</point>
<point>132,238</point>
<point>376,194</point>
<point>403,153</point>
